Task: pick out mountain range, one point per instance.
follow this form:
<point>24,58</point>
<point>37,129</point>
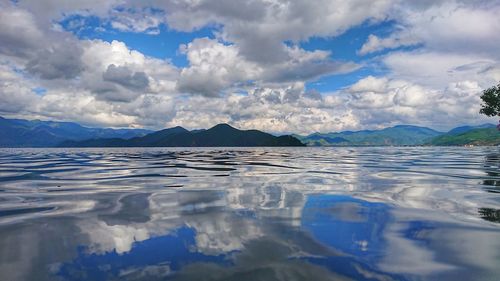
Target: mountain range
<point>398,135</point>
<point>36,133</point>
<point>485,134</point>
<point>219,135</point>
<point>481,135</point>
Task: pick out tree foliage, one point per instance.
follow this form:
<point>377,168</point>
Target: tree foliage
<point>491,101</point>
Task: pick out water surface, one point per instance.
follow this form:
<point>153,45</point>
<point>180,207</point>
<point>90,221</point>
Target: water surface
<point>250,214</point>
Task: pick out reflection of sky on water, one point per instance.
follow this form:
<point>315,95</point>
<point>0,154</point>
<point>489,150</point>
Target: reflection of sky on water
<point>352,226</point>
<point>340,233</point>
<point>157,257</point>
<point>256,214</point>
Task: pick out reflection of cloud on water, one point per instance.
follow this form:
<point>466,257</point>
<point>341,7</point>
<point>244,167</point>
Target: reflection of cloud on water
<point>408,256</point>
<point>119,238</point>
<point>28,251</point>
<point>218,233</point>
<point>443,180</point>
<point>474,250</point>
<point>387,216</point>
<point>430,244</point>
<point>284,252</point>
<point>161,254</point>
<point>402,241</point>
<point>226,220</point>
<point>263,259</point>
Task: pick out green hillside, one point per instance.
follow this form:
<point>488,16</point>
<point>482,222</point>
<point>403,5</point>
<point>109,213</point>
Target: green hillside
<point>219,135</point>
<point>36,133</point>
<point>398,135</point>
<point>488,136</point>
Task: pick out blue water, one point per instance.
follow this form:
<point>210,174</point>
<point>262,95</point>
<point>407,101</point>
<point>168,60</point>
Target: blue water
<point>250,214</point>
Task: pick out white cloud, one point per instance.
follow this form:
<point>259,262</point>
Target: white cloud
<point>49,11</point>
<point>383,102</point>
<point>215,66</point>
<point>143,21</point>
<point>437,69</point>
<point>466,27</point>
<point>265,25</point>
<point>395,40</point>
<point>20,34</point>
<point>116,73</point>
<point>15,96</point>
<point>459,42</point>
<point>254,73</point>
<point>125,77</point>
<point>458,58</point>
<point>92,82</point>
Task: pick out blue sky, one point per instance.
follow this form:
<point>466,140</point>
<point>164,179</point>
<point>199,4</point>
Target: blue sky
<point>165,45</point>
<point>279,66</point>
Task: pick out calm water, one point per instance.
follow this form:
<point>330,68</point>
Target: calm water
<point>250,214</point>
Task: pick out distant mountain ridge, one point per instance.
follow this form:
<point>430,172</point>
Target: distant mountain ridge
<point>36,133</point>
<point>486,134</point>
<point>463,129</point>
<point>404,135</point>
<point>397,135</point>
<point>218,136</point>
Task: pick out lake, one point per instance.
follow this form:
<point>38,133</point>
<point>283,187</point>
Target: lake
<point>384,214</point>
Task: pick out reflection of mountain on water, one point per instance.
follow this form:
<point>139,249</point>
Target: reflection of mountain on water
<point>492,184</point>
<point>490,214</point>
<point>492,169</point>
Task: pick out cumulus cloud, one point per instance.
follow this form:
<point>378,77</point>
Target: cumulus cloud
<point>123,76</point>
<point>261,31</point>
<point>253,72</point>
<point>116,73</point>
<point>460,27</point>
<point>375,43</point>
<point>92,82</point>
<point>15,96</point>
<point>63,61</point>
<point>438,69</point>
<point>385,102</point>
<point>214,66</point>
<point>305,66</point>
<point>465,27</point>
<point>452,51</point>
<point>145,20</point>
<point>288,109</point>
<point>20,34</point>
<point>45,53</point>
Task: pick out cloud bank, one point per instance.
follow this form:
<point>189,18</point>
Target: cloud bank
<point>255,70</point>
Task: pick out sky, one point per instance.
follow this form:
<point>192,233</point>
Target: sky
<point>280,66</point>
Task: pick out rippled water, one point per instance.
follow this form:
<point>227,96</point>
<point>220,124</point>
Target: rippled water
<point>250,214</point>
